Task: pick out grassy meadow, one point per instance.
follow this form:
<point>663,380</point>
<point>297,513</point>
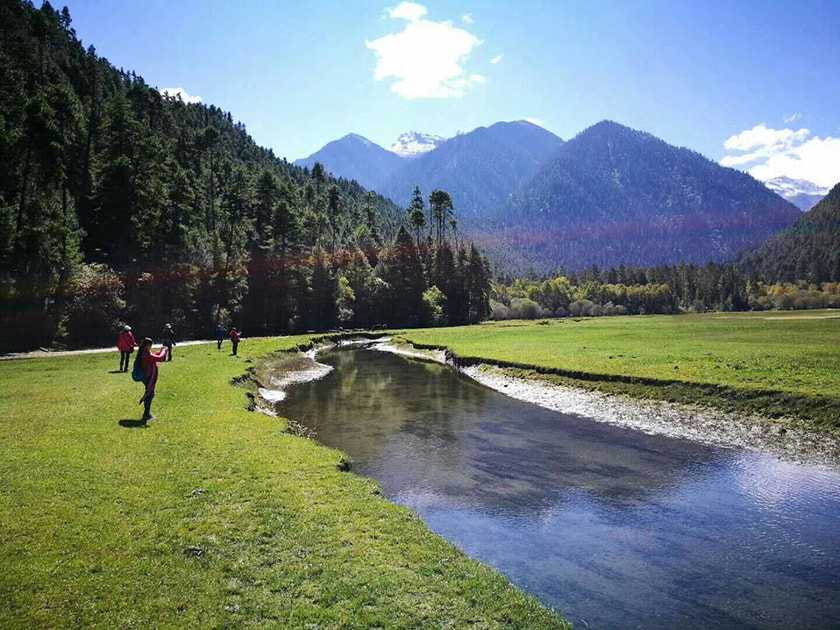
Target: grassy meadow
<point>209,516</point>
<point>781,364</point>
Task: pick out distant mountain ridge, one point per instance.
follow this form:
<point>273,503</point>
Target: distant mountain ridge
<point>355,157</point>
<point>613,195</point>
<point>480,169</point>
<point>800,192</point>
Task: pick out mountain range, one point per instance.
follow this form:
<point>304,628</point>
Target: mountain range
<point>610,196</point>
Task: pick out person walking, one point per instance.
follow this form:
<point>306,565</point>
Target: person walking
<point>220,336</point>
<point>168,338</point>
<point>149,363</point>
<point>126,345</point>
<point>235,337</point>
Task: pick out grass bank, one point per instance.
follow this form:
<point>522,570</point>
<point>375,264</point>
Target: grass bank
<point>775,364</point>
<point>209,516</point>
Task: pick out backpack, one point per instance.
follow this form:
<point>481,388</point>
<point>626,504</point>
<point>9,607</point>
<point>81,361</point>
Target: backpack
<point>137,372</point>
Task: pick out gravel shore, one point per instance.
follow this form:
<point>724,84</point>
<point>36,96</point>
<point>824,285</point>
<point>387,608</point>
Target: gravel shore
<point>784,439</point>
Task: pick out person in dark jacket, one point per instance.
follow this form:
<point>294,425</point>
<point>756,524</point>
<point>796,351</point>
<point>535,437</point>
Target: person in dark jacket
<point>220,336</point>
<point>235,337</point>
<point>126,345</point>
<point>168,338</point>
<point>149,361</point>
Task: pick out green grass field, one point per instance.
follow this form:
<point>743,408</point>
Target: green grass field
<point>780,364</point>
<point>211,516</point>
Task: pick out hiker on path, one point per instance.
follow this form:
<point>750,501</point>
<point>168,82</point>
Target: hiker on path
<point>126,345</point>
<point>235,336</point>
<point>149,364</point>
<point>220,336</point>
<point>168,338</point>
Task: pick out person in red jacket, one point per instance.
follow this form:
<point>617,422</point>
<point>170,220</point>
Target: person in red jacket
<point>235,336</point>
<point>149,360</point>
<point>126,345</point>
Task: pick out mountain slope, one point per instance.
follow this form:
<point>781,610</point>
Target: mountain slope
<point>480,169</point>
<point>356,158</point>
<point>800,192</point>
<point>613,195</point>
<point>809,249</point>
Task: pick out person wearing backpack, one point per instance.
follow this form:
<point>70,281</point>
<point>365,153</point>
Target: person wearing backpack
<point>126,345</point>
<point>235,337</point>
<point>146,371</point>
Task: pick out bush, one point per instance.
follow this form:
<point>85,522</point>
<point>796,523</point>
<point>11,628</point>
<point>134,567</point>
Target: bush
<point>523,308</point>
<point>499,311</point>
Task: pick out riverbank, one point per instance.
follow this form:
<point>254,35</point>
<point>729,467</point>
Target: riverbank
<point>209,516</point>
<point>742,381</point>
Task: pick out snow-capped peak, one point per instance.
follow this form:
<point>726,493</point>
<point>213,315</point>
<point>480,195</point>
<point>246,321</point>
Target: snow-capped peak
<point>787,187</point>
<point>414,143</point>
<point>800,192</point>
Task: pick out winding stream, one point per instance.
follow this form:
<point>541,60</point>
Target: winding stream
<point>612,527</point>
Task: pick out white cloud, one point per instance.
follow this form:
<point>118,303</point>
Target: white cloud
<point>467,18</point>
<point>536,121</point>
<point>426,58</point>
<point>410,11</point>
<point>766,153</point>
<point>789,120</point>
<point>176,92</point>
<point>496,59</point>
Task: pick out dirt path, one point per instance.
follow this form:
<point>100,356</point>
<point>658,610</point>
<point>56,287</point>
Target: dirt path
<point>40,354</point>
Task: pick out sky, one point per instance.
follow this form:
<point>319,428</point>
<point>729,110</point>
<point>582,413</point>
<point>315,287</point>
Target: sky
<point>751,84</point>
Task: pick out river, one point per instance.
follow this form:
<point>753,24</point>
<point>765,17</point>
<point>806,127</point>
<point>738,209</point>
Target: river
<point>612,527</point>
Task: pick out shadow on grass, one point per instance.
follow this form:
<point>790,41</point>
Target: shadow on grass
<point>133,424</point>
<point>115,372</point>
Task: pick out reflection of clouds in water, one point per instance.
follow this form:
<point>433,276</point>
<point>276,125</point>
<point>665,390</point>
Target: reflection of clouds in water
<point>771,483</point>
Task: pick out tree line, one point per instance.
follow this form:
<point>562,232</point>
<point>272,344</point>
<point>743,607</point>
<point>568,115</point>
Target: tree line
<point>122,205</point>
<point>663,289</point>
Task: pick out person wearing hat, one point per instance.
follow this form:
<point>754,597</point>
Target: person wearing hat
<point>149,362</point>
<point>125,344</point>
<point>168,338</point>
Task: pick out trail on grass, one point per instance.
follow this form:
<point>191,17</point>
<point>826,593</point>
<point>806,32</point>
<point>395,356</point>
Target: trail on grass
<point>40,354</point>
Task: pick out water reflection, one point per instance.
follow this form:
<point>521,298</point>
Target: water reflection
<point>610,526</point>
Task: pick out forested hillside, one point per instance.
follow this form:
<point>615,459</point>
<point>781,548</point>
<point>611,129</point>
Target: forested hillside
<point>121,205</point>
<point>807,250</point>
<point>613,195</point>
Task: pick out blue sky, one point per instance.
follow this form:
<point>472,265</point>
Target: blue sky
<point>760,77</point>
